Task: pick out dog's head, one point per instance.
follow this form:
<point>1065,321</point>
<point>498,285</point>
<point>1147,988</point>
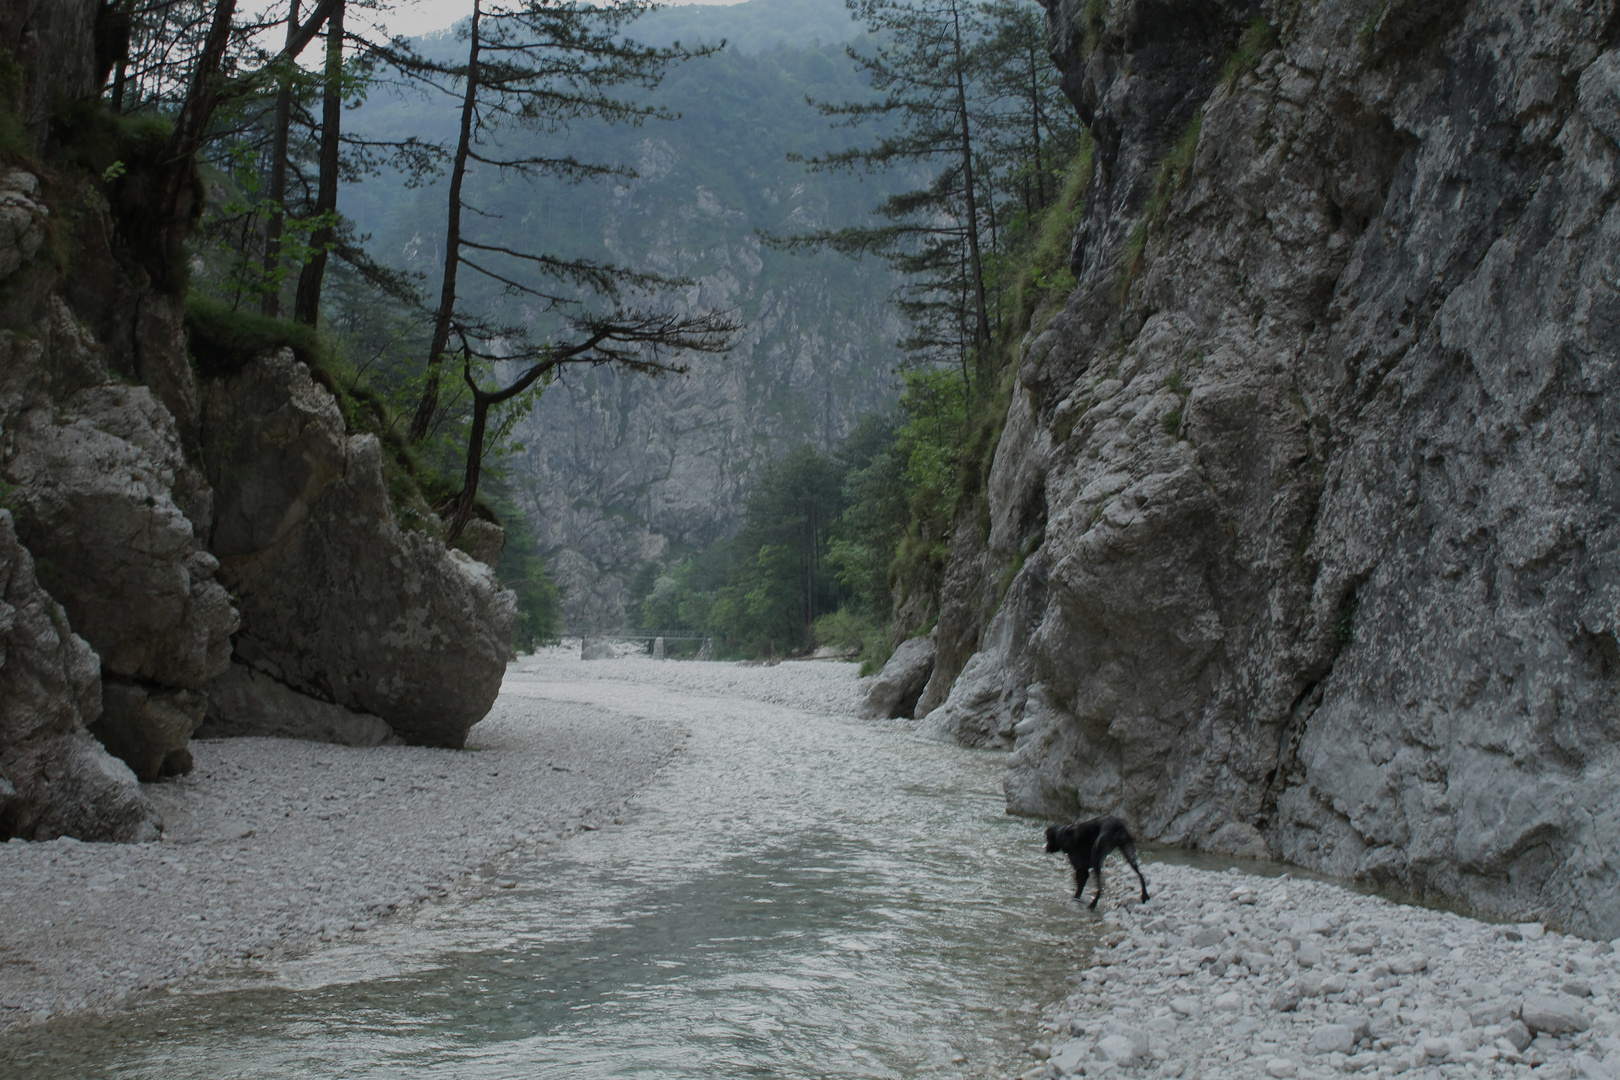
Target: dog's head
<point>1055,838</point>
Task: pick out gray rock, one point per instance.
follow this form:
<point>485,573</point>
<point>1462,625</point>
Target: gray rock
<point>245,702</point>
<point>1138,1039</point>
<point>1518,1035</point>
<point>55,780</point>
<point>1332,1039</point>
<point>149,727</point>
<point>1117,1049</point>
<point>895,690</point>
<point>109,504</point>
<point>1067,1057</point>
<point>1555,1015</point>
<point>339,601</point>
<point>483,540</point>
<point>596,650</point>
<point>1283,459</point>
<point>96,474</point>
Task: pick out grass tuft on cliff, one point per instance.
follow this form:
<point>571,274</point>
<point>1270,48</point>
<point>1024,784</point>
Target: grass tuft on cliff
<point>224,339</point>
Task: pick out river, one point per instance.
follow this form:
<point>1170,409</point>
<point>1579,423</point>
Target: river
<point>796,895</point>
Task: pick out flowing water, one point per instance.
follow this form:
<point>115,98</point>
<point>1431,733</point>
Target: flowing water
<point>795,896</point>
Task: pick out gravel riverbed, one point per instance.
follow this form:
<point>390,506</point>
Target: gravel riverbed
<point>273,845</point>
<point>1236,975</point>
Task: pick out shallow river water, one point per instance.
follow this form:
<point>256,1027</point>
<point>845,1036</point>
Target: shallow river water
<point>795,896</point>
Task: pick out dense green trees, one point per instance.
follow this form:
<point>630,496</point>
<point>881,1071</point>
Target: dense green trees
<point>969,110</point>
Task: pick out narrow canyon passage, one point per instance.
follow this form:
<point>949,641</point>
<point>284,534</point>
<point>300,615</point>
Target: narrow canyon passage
<point>797,895</point>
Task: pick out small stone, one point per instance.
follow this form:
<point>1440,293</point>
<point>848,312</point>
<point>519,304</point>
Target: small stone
<point>1038,1050</point>
<point>1284,1000</point>
<point>1332,1039</point>
<point>1588,1068</point>
<point>1410,964</point>
<point>1066,1057</point>
<point>1231,1001</point>
<point>1553,1014</point>
<point>1117,1048</point>
<point>1517,1034</point>
<point>1436,1047</point>
<point>1187,1006</point>
<point>1532,931</point>
<point>1209,935</point>
<point>1579,988</point>
<point>1309,954</point>
<point>1335,984</point>
<point>1281,1067</point>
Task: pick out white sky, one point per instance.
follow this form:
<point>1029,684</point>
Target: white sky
<point>412,17</point>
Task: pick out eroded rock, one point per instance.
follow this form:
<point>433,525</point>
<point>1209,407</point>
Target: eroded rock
<point>1326,562</point>
<point>339,602</point>
<point>55,780</point>
<point>895,690</point>
<point>247,702</point>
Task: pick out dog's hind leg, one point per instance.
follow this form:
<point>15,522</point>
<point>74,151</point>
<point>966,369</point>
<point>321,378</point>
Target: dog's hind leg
<point>1128,849</point>
<point>1099,852</point>
<point>1081,872</point>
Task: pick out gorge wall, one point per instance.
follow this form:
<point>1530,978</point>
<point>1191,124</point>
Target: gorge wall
<point>621,474</point>
<point>1309,487</point>
<point>184,537</point>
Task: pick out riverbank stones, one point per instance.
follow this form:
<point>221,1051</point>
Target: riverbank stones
<point>1314,980</point>
<point>1555,1015</point>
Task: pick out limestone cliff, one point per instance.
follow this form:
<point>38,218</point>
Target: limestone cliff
<point>1312,470</point>
<point>119,489</point>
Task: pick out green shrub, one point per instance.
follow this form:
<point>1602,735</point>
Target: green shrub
<point>1259,37</point>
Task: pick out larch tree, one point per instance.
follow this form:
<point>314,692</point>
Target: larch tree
<point>545,66</point>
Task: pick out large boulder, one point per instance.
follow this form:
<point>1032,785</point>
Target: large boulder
<point>895,690</point>
<point>244,701</point>
<point>338,601</point>
<point>55,780</point>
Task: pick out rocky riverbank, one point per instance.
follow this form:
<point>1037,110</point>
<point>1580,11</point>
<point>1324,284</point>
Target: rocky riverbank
<point>273,845</point>
<point>1233,975</point>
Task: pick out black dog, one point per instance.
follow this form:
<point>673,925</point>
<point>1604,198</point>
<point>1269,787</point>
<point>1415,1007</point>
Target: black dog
<point>1087,843</point>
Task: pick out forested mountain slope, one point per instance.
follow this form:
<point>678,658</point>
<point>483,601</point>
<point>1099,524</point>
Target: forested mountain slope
<point>618,471</point>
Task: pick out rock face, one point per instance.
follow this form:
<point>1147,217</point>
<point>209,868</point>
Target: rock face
<point>247,702</point>
<point>898,686</point>
<point>55,780</point>
<point>338,602</point>
<point>1316,452</point>
<point>97,477</point>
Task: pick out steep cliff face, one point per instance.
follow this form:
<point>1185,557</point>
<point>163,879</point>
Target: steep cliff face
<point>620,471</point>
<point>356,629</point>
<point>1316,455</point>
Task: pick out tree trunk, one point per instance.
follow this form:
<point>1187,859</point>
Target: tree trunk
<point>422,422</point>
<point>981,340</point>
<point>475,467</point>
<point>307,306</point>
<point>170,216</point>
<point>1035,127</point>
<point>278,184</point>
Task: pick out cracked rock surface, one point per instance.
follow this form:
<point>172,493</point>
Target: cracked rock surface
<point>1327,537</point>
